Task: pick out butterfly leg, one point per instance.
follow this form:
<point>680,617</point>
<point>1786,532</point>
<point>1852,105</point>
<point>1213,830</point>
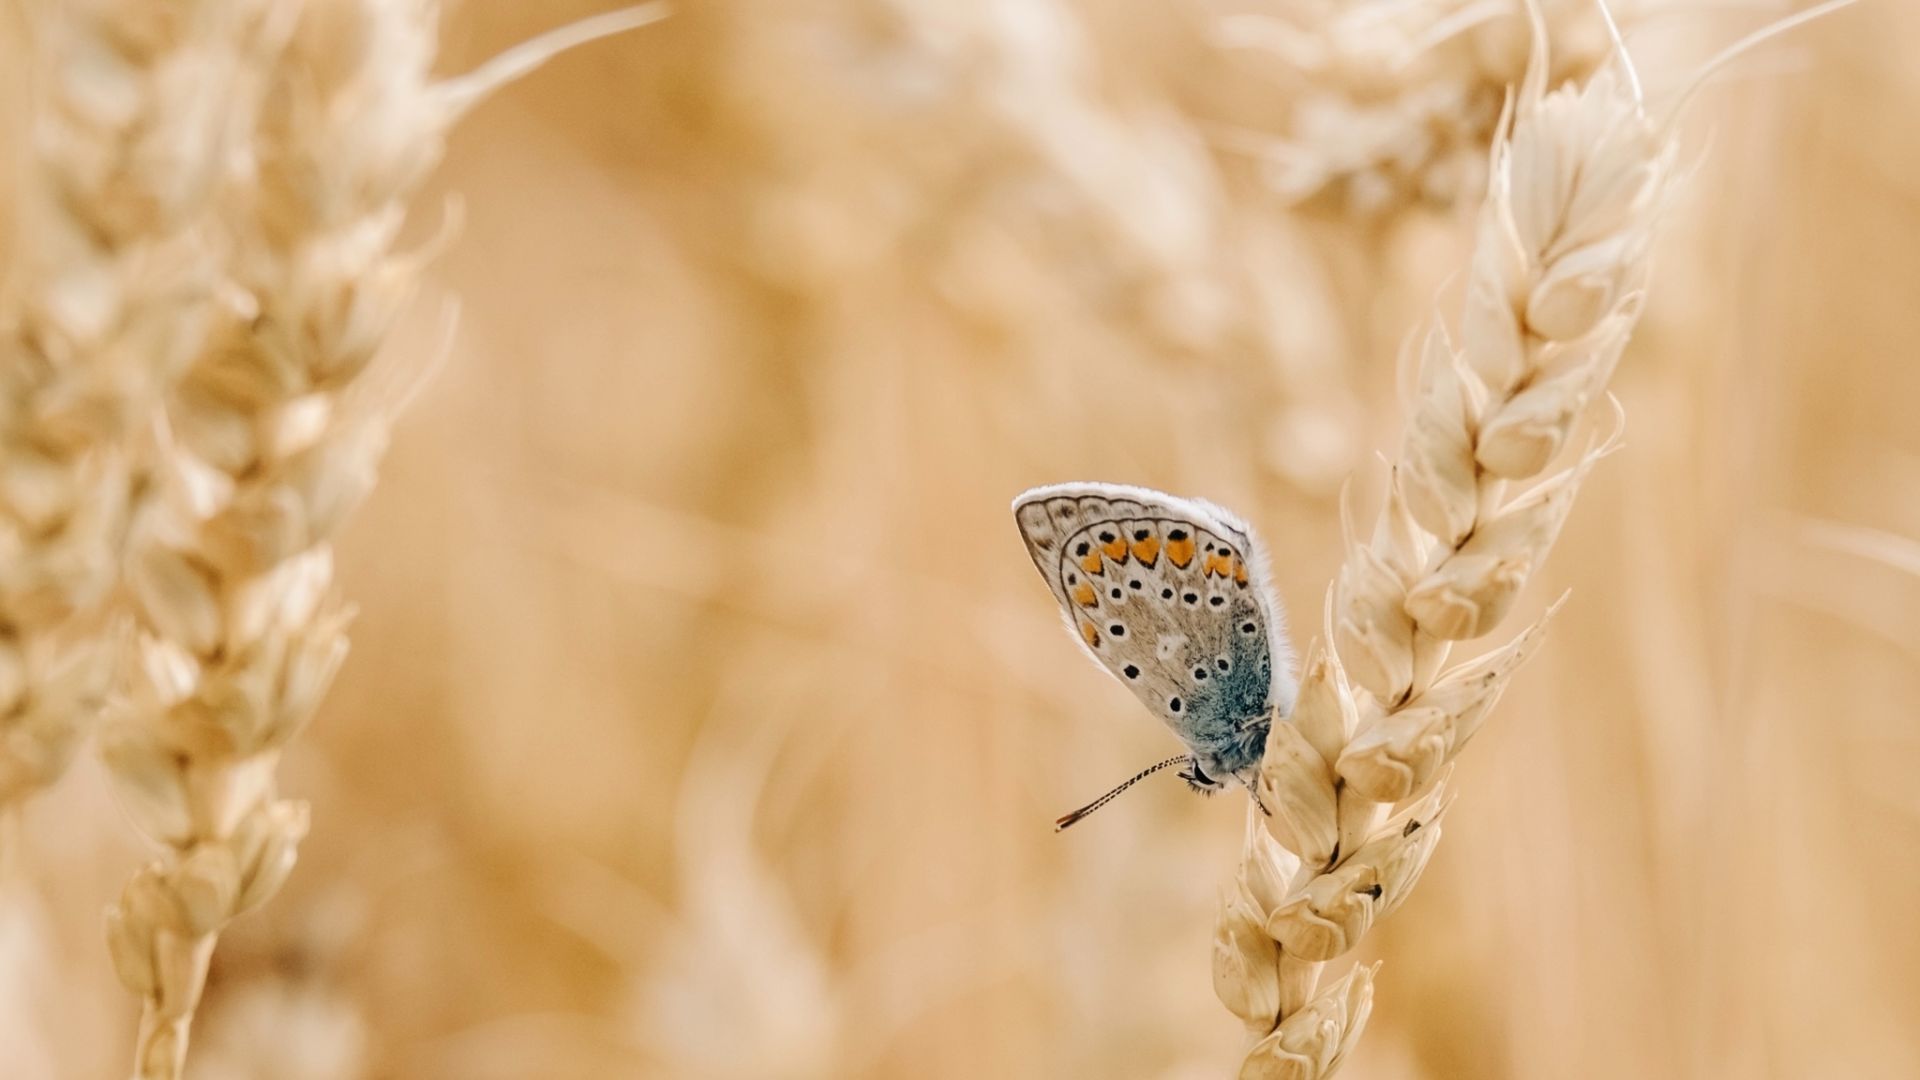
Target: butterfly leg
<point>1255,796</point>
<point>1250,779</point>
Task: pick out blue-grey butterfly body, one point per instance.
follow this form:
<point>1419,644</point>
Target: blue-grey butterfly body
<point>1171,597</point>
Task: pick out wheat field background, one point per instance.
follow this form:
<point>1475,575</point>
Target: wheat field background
<point>705,718</point>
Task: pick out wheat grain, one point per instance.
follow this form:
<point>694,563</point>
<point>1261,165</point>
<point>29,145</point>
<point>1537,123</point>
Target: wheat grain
<point>274,433</point>
<point>1554,289</point>
<point>134,116</point>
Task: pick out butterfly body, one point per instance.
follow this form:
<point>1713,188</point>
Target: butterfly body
<point>1171,597</point>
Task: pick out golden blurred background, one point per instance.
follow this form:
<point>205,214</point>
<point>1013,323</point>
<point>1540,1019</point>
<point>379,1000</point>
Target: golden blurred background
<point>705,718</point>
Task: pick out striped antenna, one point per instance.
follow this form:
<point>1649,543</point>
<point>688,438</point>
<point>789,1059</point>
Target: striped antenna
<point>1103,800</point>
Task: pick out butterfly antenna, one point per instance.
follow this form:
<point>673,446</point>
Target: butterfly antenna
<point>1103,800</point>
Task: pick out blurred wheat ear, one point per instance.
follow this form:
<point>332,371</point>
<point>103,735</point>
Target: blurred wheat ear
<point>1356,776</point>
<point>269,440</point>
<point>1396,103</point>
<point>133,111</point>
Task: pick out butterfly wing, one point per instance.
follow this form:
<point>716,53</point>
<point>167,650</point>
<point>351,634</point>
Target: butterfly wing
<point>1171,597</point>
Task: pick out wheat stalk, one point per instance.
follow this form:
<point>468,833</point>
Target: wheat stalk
<point>273,436</point>
<point>1355,777</point>
<point>135,111</point>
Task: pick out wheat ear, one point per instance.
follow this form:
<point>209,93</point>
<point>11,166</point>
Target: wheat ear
<point>1355,777</point>
<point>1397,100</point>
<point>134,111</point>
<point>273,436</point>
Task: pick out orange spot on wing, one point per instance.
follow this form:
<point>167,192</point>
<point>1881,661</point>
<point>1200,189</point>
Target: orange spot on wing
<point>1117,551</point>
<point>1239,571</point>
<point>1091,564</point>
<point>1180,551</point>
<point>1089,634</point>
<point>1084,595</point>
<point>1221,564</point>
<point>1148,550</point>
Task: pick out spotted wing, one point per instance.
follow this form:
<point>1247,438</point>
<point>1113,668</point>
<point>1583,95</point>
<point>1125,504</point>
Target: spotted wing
<point>1169,595</point>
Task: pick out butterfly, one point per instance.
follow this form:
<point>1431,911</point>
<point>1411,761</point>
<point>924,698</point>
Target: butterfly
<point>1170,596</point>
